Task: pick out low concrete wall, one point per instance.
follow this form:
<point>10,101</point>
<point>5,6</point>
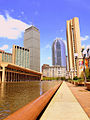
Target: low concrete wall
<point>32,110</point>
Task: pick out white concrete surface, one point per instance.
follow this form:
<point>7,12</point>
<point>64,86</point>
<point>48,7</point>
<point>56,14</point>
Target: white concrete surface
<point>64,106</point>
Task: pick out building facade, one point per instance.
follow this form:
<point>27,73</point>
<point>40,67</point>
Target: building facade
<point>58,53</point>
<point>54,71</point>
<point>15,67</point>
<point>5,57</point>
<point>44,66</point>
<point>21,56</point>
<point>32,42</point>
<point>12,73</point>
<point>74,46</point>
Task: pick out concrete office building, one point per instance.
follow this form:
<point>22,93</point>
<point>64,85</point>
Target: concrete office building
<point>32,42</point>
<point>54,71</point>
<point>74,46</point>
<point>5,57</point>
<point>21,56</point>
<point>58,53</point>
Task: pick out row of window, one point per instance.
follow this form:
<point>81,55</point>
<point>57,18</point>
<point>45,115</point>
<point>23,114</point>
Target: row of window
<point>6,57</point>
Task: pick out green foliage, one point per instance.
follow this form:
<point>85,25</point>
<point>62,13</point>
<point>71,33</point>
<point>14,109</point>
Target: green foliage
<point>54,78</point>
<point>82,75</point>
<point>62,78</point>
<point>75,78</point>
<point>87,73</point>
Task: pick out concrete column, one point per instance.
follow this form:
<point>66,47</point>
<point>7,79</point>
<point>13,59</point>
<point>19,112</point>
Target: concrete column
<point>0,77</point>
<point>11,76</point>
<point>3,75</point>
<point>18,76</point>
<point>14,76</point>
<point>6,76</point>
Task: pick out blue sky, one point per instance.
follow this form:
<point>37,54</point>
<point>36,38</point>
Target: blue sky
<point>49,16</point>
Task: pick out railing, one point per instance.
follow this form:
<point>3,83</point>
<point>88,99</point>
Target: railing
<point>32,110</point>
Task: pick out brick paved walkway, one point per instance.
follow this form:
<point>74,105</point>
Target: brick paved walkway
<point>82,95</point>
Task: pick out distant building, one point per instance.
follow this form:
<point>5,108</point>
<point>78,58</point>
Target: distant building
<point>32,42</point>
<point>54,71</point>
<point>21,56</point>
<point>58,53</point>
<point>74,47</point>
<point>44,66</point>
<point>5,57</point>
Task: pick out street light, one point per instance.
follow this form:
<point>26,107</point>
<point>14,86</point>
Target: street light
<point>75,56</point>
<point>84,55</point>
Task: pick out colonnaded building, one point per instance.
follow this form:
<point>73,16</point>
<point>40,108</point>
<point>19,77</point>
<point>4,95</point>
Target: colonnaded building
<point>16,66</point>
<point>32,42</point>
<point>74,47</point>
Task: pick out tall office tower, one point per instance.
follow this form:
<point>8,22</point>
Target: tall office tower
<point>58,53</point>
<point>32,42</point>
<point>21,56</point>
<point>74,46</point>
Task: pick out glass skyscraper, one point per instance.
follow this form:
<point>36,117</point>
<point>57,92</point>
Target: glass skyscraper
<point>58,53</point>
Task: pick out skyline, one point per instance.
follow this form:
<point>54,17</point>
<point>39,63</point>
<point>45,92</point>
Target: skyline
<point>49,17</point>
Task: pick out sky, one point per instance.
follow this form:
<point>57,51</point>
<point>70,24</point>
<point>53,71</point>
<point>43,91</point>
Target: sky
<point>49,16</point>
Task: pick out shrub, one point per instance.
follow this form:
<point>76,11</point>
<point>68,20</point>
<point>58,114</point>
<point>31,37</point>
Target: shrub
<point>75,78</point>
<point>62,78</point>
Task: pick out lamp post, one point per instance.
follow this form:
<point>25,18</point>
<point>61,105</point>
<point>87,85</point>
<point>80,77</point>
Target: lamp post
<point>88,56</point>
<point>72,73</point>
<point>84,55</point>
<point>75,56</point>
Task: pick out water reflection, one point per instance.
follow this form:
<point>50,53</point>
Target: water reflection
<point>15,95</point>
<point>2,90</point>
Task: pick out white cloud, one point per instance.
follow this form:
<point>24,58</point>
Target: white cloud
<point>84,38</point>
<point>49,58</point>
<point>12,10</point>
<point>48,46</point>
<point>61,30</point>
<point>11,28</point>
<point>88,46</point>
<point>10,49</point>
<point>4,47</point>
<point>22,13</point>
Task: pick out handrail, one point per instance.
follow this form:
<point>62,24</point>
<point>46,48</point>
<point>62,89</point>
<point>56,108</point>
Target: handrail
<point>32,110</point>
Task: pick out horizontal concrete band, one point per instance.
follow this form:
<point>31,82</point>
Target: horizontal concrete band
<point>32,110</point>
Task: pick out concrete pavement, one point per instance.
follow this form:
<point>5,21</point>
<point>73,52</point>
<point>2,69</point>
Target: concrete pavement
<point>64,106</point>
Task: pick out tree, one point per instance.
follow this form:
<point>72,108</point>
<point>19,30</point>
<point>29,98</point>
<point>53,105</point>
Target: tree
<point>87,72</point>
<point>82,75</point>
